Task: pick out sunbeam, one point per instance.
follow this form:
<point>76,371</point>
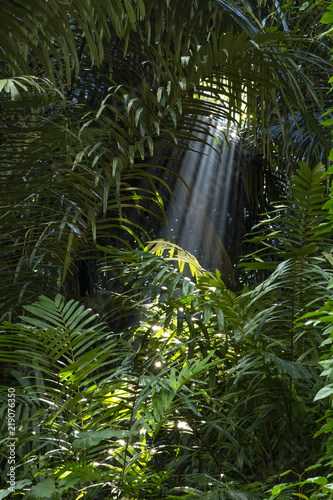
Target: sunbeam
<point>198,213</point>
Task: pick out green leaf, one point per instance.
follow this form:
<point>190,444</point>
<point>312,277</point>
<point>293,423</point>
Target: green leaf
<point>5,493</point>
<point>279,488</point>
<point>137,116</point>
<point>220,317</point>
<point>89,439</point>
<point>324,392</point>
<point>45,489</point>
<point>327,18</point>
<point>316,480</point>
<point>207,313</point>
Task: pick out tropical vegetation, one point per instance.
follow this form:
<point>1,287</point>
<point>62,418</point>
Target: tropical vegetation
<point>138,373</point>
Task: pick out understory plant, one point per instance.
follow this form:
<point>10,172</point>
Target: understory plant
<point>267,371</point>
<point>206,394</point>
<point>316,481</point>
<point>86,418</point>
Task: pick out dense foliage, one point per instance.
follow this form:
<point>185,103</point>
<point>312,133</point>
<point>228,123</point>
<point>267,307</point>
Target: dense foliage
<point>137,373</point>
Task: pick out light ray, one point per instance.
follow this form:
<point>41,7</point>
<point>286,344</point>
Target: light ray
<point>198,214</point>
